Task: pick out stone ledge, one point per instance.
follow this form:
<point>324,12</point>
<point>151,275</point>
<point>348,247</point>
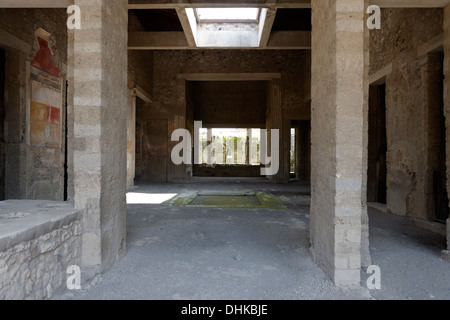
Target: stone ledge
<point>25,220</point>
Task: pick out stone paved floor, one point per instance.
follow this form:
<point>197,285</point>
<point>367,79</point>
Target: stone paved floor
<point>252,254</point>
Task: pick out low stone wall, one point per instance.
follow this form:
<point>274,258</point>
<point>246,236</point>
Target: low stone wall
<point>227,171</point>
<point>39,240</point>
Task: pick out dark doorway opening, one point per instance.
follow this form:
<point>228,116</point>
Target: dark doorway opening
<point>377,165</point>
<point>2,124</point>
<point>301,150</point>
<point>441,201</point>
<point>232,115</point>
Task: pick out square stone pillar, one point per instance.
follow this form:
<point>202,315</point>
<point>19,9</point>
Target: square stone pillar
<point>100,129</point>
<point>274,101</point>
<point>339,137</point>
<point>131,138</point>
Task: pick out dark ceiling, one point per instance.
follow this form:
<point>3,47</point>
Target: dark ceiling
<point>158,20</point>
<point>292,20</point>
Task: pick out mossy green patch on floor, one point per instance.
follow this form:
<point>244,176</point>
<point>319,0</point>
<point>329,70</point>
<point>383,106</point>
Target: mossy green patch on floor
<point>230,200</point>
<point>226,201</point>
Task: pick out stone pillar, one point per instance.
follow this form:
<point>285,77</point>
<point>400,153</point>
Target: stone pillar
<point>366,258</point>
<point>70,110</point>
<point>100,130</point>
<point>448,234</point>
<point>274,98</point>
<point>447,105</point>
<point>248,149</point>
<point>209,140</point>
<point>339,137</point>
<point>131,138</point>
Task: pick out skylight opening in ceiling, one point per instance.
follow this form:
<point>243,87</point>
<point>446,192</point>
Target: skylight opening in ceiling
<point>228,15</point>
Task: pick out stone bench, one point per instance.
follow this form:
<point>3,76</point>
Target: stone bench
<point>38,240</point>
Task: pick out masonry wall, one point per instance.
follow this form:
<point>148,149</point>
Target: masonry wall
<point>33,131</point>
<point>140,69</point>
<point>410,102</point>
<point>34,260</point>
<point>169,93</point>
<point>238,104</point>
<point>140,77</point>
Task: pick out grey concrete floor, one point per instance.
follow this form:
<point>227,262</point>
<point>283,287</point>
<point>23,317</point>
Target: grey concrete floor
<point>186,253</point>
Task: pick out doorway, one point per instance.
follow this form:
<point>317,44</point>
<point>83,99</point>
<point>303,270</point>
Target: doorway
<point>301,149</point>
<point>157,132</point>
<point>377,165</point>
<point>438,134</point>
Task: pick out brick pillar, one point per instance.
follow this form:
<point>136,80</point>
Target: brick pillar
<point>338,134</point>
<point>100,130</point>
<point>447,103</point>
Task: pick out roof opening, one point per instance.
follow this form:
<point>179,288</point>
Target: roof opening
<point>227,27</point>
<point>217,15</point>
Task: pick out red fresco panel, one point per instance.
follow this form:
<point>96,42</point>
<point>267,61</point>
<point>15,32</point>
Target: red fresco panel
<point>55,116</point>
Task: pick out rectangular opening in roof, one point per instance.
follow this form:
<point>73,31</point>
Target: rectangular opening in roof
<point>243,15</point>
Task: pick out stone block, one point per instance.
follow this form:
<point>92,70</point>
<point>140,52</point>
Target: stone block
<point>91,249</point>
<point>347,278</point>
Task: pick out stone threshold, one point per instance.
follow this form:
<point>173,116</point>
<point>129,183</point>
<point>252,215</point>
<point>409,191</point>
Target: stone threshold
<point>25,220</point>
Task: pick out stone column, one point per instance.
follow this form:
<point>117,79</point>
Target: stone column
<point>131,138</point>
<point>248,147</point>
<point>274,98</point>
<point>100,129</point>
<point>209,141</point>
<point>366,258</point>
<point>70,110</point>
<point>339,137</point>
<point>447,108</point>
